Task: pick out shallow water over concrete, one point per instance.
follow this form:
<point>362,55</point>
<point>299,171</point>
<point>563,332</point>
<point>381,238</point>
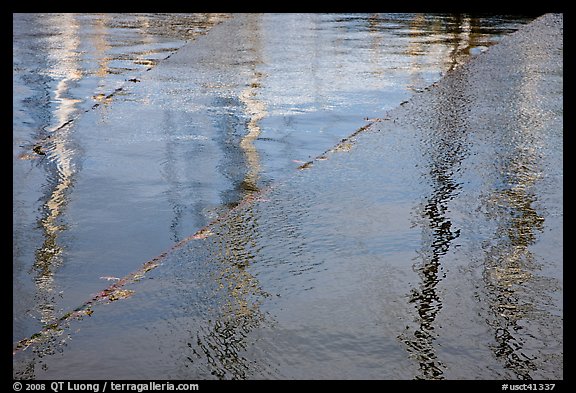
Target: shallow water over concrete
<point>428,246</point>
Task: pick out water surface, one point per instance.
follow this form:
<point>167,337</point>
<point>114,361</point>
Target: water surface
<point>351,269</point>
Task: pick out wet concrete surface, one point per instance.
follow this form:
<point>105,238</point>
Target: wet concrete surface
<point>428,245</point>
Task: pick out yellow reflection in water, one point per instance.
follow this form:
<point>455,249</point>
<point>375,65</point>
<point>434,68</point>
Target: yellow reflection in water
<point>255,110</point>
<point>239,312</point>
<point>102,45</point>
<point>458,35</point>
<point>509,264</point>
<point>227,337</point>
<point>63,53</point>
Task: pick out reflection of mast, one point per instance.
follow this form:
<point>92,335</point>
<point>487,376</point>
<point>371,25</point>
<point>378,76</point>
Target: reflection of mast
<point>416,49</point>
<point>374,32</point>
<point>460,33</point>
<point>509,263</point>
<point>466,36</point>
<point>102,45</point>
<point>59,152</point>
<point>444,146</point>
<point>457,35</point>
<point>438,234</point>
<point>240,311</point>
<point>256,110</point>
<point>445,154</point>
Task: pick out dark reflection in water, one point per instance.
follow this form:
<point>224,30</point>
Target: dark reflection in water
<point>444,148</point>
<point>505,162</point>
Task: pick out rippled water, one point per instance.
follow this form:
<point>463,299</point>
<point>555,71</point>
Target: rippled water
<point>409,253</point>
